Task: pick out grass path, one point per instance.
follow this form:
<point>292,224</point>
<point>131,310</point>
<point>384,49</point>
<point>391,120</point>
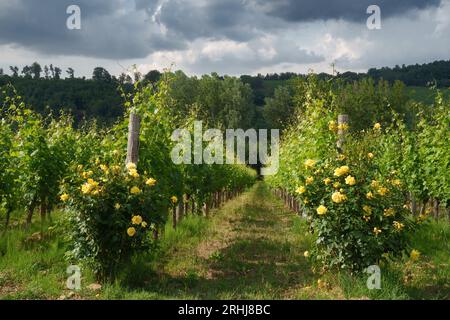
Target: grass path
<point>251,249</point>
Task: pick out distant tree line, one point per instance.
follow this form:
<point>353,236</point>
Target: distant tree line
<point>421,75</point>
<point>97,98</point>
<point>256,101</point>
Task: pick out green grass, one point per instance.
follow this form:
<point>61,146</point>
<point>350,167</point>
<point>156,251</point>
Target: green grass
<point>252,248</point>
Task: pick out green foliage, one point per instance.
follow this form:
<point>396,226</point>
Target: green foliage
<point>367,102</point>
<point>112,213</point>
<point>278,110</point>
<point>355,202</point>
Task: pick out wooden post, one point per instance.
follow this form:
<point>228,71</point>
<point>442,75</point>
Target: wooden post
<point>180,210</point>
<point>133,139</point>
<point>413,204</point>
<point>436,208</point>
<point>342,120</point>
<point>206,208</point>
<point>174,217</point>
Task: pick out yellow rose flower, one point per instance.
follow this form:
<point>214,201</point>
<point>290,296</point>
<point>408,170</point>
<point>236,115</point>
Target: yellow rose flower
<point>370,155</point>
<point>306,254</point>
<point>174,199</point>
<point>131,166</point>
<point>131,231</point>
<point>377,126</point>
<point>310,163</point>
<point>64,197</point>
<point>300,190</point>
<point>327,181</point>
<point>309,180</point>
<point>144,224</point>
<point>136,220</point>
<point>374,184</point>
<point>92,182</point>
<point>369,195</point>
<point>398,225</point>
<point>135,190</point>
<point>115,169</point>
<point>332,126</point>
<point>351,181</point>
<point>383,191</point>
<point>86,188</point>
<point>117,206</point>
<point>87,174</point>
<point>396,182</point>
<point>322,210</point>
<point>337,185</point>
<point>341,171</point>
<point>133,173</point>
<point>150,182</point>
<point>377,231</point>
<point>389,212</point>
<point>338,197</point>
<point>367,210</point>
<point>415,255</point>
<point>343,127</point>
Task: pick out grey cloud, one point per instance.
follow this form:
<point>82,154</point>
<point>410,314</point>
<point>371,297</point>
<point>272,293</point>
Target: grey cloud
<point>106,32</point>
<point>150,26</point>
<point>352,10</point>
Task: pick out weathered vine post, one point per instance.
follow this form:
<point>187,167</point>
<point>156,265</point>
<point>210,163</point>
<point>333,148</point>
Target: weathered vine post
<point>180,210</point>
<point>134,128</point>
<point>342,124</point>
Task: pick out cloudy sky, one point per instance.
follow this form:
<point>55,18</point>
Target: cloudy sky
<point>227,36</point>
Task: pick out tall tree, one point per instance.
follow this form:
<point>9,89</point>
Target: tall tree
<point>101,74</point>
<point>26,71</point>
<point>58,72</point>
<point>279,109</point>
<point>153,76</point>
<point>71,73</point>
<point>36,70</point>
<point>46,71</point>
<point>125,78</point>
<point>15,71</point>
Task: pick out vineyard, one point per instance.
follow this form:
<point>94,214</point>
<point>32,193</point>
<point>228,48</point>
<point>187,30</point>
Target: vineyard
<point>363,180</point>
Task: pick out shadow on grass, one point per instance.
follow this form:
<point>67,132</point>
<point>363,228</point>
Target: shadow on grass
<point>263,261</point>
<point>246,269</point>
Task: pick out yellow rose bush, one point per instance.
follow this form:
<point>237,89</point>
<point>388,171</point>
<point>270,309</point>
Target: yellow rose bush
<point>110,210</point>
<point>353,201</point>
<point>352,230</point>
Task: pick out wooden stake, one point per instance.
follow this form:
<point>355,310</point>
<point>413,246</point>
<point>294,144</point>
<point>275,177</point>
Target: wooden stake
<point>342,120</point>
<point>133,139</point>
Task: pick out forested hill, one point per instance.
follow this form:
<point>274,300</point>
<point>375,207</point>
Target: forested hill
<point>99,97</point>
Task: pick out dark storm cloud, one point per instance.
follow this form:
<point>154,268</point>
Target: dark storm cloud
<point>352,10</point>
<point>107,32</point>
<point>125,29</point>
